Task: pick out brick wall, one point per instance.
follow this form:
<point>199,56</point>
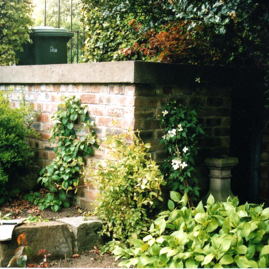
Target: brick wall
<point>134,102</point>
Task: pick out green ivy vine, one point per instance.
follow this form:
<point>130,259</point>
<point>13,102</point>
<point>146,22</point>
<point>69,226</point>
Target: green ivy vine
<point>65,171</point>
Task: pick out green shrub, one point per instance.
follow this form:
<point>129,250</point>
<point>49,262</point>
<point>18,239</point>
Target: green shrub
<point>66,169</point>
<point>15,152</point>
<point>221,234</point>
<point>106,37</point>
<point>129,182</point>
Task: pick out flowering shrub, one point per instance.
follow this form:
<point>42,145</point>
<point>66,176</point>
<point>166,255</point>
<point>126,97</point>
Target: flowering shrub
<point>181,128</point>
<point>129,182</point>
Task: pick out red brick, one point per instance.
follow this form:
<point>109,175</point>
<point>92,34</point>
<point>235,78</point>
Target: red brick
<point>46,127</point>
<point>45,136</point>
<point>140,102</point>
<point>51,155</point>
<point>43,154</point>
<point>40,163</point>
<point>88,99</point>
<point>104,121</point>
<point>44,117</point>
<point>56,98</point>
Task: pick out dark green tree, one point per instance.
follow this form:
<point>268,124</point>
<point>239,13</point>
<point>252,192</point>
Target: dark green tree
<point>15,22</point>
<point>233,32</point>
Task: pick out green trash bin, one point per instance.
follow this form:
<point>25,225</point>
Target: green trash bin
<point>49,46</point>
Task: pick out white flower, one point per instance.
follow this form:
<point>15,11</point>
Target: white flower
<point>175,166</point>
<point>176,163</point>
<point>165,112</point>
<point>183,165</point>
<point>163,136</point>
<point>185,149</point>
<point>180,128</point>
<point>172,133</point>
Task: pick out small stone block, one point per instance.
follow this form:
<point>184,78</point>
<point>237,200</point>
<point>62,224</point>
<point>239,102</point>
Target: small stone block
<point>85,232</point>
<point>55,237</point>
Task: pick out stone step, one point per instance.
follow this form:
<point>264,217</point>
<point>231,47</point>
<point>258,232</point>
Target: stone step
<point>61,238</point>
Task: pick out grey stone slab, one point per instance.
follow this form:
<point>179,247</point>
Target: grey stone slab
<point>85,232</point>
<point>55,237</point>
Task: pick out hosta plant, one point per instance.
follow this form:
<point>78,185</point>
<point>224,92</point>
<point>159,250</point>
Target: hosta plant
<point>129,182</point>
<point>221,234</point>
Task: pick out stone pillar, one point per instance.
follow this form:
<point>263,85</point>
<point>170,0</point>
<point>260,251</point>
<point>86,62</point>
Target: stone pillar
<point>220,177</point>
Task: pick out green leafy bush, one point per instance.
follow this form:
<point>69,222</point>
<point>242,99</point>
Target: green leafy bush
<point>181,128</point>
<point>65,171</point>
<point>105,37</point>
<point>15,152</point>
<point>221,234</point>
<point>15,24</point>
<point>130,187</point>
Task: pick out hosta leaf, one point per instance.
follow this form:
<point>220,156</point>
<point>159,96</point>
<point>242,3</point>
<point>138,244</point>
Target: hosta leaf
<point>262,262</point>
<point>208,259</point>
<point>226,259</point>
<point>144,247</point>
<point>200,217</point>
<point>246,230</point>
<point>264,251</point>
<point>242,262</point>
<point>165,250</point>
<point>145,260</point>
<point>199,258</point>
<point>147,238</point>
<point>172,252</point>
<point>190,263</point>
<point>265,214</point>
<point>210,200</point>
<point>241,249</point>
<point>213,225</point>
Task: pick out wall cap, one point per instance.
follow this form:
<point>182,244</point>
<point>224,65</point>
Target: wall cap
<point>122,72</point>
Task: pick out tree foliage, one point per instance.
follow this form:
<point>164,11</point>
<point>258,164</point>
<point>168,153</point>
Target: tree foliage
<point>193,31</point>
<point>15,20</point>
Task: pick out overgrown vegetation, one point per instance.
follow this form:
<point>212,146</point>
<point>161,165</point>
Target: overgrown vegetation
<point>220,235</point>
<point>130,187</point>
<point>196,32</point>
<point>15,152</point>
<point>65,171</point>
<point>15,23</point>
<point>181,128</point>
